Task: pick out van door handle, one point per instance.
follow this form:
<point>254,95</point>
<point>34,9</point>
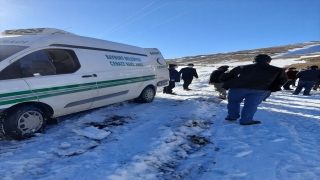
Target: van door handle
<point>87,76</point>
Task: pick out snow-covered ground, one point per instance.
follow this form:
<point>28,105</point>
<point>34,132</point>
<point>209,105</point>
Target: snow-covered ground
<point>175,137</point>
<point>305,50</point>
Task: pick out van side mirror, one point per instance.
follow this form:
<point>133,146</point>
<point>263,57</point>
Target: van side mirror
<point>38,68</point>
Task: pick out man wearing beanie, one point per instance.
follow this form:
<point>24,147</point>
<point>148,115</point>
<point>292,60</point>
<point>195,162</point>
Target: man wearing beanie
<point>187,75</point>
<point>251,83</point>
<point>214,80</point>
<point>307,79</point>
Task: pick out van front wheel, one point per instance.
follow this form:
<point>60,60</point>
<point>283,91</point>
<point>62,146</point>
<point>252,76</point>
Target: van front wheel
<point>146,96</point>
<point>24,122</point>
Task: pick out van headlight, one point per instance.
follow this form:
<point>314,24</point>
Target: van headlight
<point>163,83</point>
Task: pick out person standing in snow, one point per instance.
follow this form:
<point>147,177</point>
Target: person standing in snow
<point>174,77</point>
<point>214,80</point>
<point>292,77</point>
<point>252,83</point>
<point>187,75</point>
<point>307,79</point>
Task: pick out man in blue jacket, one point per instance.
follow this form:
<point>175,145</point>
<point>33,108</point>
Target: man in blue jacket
<point>187,75</point>
<point>307,79</point>
<point>174,77</point>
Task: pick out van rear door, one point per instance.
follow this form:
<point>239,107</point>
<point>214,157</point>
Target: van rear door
<point>158,62</point>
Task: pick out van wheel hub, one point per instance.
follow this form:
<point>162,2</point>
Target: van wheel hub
<point>30,122</point>
<point>149,94</point>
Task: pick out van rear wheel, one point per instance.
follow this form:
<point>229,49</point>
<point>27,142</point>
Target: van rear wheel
<point>24,122</point>
<point>146,96</point>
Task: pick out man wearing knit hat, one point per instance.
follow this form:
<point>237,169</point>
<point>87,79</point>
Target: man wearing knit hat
<point>251,83</point>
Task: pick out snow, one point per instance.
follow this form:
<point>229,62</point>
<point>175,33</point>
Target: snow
<point>304,50</point>
<point>175,137</point>
<point>92,132</point>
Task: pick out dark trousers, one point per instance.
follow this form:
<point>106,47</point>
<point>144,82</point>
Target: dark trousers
<point>168,89</point>
<point>316,86</point>
<point>294,82</point>
<point>307,85</point>
<point>288,84</point>
<point>186,83</point>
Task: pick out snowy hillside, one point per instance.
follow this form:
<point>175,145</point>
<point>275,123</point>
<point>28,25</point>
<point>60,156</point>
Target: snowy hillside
<point>175,137</point>
<point>278,52</point>
<point>300,51</point>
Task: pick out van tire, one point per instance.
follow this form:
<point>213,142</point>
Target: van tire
<point>24,122</point>
<point>146,96</point>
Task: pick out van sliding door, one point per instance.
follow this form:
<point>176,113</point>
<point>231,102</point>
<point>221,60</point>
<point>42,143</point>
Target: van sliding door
<point>54,76</point>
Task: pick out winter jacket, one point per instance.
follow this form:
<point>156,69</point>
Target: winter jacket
<point>292,75</point>
<point>188,73</point>
<point>260,76</point>
<point>215,75</point>
<point>309,75</point>
<point>174,75</point>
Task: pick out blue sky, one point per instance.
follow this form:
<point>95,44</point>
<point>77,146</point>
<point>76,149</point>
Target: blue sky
<point>177,27</point>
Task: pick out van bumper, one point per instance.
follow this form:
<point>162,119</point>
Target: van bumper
<point>163,83</point>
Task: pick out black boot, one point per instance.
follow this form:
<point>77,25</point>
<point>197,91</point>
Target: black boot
<point>251,123</point>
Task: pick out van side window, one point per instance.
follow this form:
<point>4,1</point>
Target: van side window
<point>11,72</point>
<point>64,60</point>
<point>36,64</point>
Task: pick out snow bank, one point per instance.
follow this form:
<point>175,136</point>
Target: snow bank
<point>92,132</point>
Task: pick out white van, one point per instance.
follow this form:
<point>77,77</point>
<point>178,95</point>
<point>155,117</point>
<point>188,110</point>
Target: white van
<point>47,73</point>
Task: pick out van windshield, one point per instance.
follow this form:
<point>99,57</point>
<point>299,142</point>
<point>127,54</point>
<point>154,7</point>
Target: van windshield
<point>9,50</point>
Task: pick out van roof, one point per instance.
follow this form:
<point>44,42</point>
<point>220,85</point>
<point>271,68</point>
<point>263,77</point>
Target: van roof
<point>51,37</point>
<point>34,31</point>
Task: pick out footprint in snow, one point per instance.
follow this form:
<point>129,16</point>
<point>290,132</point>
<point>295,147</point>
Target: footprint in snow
<point>242,154</point>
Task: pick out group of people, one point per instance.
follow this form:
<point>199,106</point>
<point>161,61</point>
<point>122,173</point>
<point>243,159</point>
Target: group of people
<point>187,74</point>
<point>252,83</point>
<point>308,79</point>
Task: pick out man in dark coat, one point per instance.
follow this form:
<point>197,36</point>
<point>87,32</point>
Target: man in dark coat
<point>174,77</point>
<point>307,79</point>
<point>292,77</point>
<point>187,75</point>
<point>252,83</point>
<point>214,80</point>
